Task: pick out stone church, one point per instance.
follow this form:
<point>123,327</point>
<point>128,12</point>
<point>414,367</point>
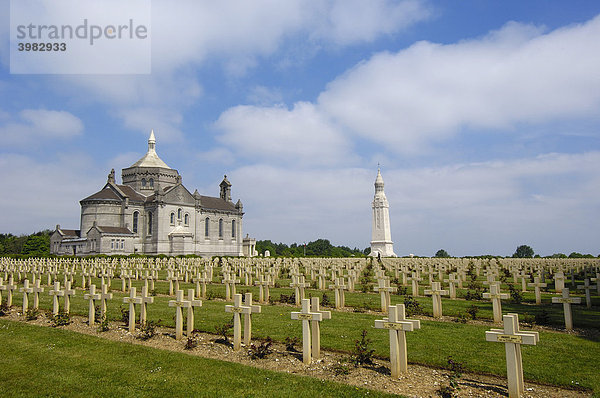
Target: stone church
<point>152,212</point>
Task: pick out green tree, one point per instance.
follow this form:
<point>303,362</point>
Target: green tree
<point>36,245</point>
<point>442,253</point>
<point>524,251</point>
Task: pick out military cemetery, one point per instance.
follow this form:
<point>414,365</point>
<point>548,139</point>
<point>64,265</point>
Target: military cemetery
<point>322,198</point>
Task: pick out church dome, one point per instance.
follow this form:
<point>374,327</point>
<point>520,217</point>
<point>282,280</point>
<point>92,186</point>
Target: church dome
<point>151,158</point>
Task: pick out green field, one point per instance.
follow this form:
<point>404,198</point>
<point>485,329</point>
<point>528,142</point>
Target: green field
<point>559,358</point>
<point>38,361</point>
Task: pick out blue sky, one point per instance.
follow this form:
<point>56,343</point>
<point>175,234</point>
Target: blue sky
<point>484,116</point>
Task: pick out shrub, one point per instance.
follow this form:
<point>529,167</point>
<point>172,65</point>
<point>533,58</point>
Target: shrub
<point>32,314</point>
<point>402,290</point>
<point>262,350</point>
<point>103,327</point>
<point>473,310</point>
<point>290,343</point>
<point>325,300</point>
<point>451,390</point>
<point>98,314</point>
<point>223,330</point>
<point>461,317</point>
<point>474,295</point>
<point>191,342</point>
<point>124,315</point>
<point>60,319</point>
<point>4,309</point>
<point>527,318</point>
<point>362,353</point>
<point>148,330</point>
<point>412,306</point>
<point>340,369</point>
<point>515,294</point>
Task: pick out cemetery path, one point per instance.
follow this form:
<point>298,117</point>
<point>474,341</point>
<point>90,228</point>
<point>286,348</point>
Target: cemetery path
<point>420,381</point>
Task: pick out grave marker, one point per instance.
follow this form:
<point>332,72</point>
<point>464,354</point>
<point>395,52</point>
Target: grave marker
<point>512,339</point>
<point>566,300</point>
<point>306,316</point>
<point>495,295</point>
<point>398,325</point>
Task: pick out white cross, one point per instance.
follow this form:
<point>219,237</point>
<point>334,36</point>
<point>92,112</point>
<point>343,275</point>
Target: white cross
<point>566,300</point>
<point>25,290</point>
<point>146,299</point>
<point>92,296</point>
<point>398,324</point>
<point>316,328</point>
<point>306,316</point>
<point>36,293</point>
<point>56,293</point>
<point>496,296</point>
<point>179,303</point>
<point>537,284</point>
<point>248,317</point>
<point>512,339</point>
<point>190,311</point>
<point>384,290</point>
<point>436,292</point>
<point>237,308</point>
<point>587,287</point>
<point>104,295</point>
<point>132,300</point>
<point>9,287</point>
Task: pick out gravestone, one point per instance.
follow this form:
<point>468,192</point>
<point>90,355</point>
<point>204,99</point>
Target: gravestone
<point>236,309</point>
<point>92,296</point>
<point>316,328</point>
<point>56,293</point>
<point>36,290</point>
<point>248,317</point>
<point>537,284</point>
<point>384,289</point>
<point>26,290</point>
<point>436,292</point>
<point>179,303</point>
<point>566,301</point>
<point>587,287</point>
<point>306,316</point>
<point>512,339</point>
<point>398,325</point>
<point>132,300</point>
<point>495,295</point>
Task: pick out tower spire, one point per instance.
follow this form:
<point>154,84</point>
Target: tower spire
<point>152,142</point>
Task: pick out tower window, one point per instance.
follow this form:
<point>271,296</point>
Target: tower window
<point>220,228</point>
<point>152,183</point>
<point>179,214</point>
<point>143,182</point>
<point>206,226</point>
<point>136,215</point>
<point>186,219</point>
<point>172,218</point>
<point>233,228</point>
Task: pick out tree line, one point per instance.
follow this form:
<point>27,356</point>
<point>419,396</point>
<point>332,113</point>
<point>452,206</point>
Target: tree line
<point>34,245</point>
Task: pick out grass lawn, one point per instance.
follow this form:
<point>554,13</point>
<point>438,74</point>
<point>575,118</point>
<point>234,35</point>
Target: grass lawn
<point>560,359</point>
<point>39,361</point>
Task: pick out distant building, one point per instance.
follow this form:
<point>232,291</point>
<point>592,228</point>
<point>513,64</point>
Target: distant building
<point>152,212</point>
<point>381,238</point>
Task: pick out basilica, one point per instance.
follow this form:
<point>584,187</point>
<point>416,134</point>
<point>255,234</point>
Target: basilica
<point>152,212</point>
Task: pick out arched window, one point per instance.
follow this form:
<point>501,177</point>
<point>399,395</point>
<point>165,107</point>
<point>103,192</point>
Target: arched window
<point>172,218</point>
<point>206,226</point>
<point>186,219</point>
<point>179,214</point>
<point>143,182</point>
<point>220,228</point>
<point>149,223</point>
<point>136,215</point>
<point>152,183</point>
<point>233,228</point>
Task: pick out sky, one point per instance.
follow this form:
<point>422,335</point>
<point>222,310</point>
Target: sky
<point>483,116</point>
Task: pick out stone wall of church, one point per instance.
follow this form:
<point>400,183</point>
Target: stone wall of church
<point>104,213</point>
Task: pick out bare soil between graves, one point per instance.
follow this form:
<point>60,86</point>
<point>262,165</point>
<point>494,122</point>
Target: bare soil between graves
<point>420,381</point>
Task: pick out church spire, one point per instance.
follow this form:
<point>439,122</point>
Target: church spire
<point>151,142</point>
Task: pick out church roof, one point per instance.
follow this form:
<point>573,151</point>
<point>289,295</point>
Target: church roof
<point>114,230</point>
<point>151,158</point>
<point>70,233</point>
<point>208,202</point>
<point>104,194</point>
<point>107,193</point>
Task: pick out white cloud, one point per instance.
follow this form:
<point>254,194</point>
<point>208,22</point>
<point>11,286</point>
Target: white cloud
<point>299,136</point>
<point>354,21</point>
<point>34,126</point>
<point>163,121</point>
<point>38,195</point>
<point>430,91</point>
<point>548,202</point>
